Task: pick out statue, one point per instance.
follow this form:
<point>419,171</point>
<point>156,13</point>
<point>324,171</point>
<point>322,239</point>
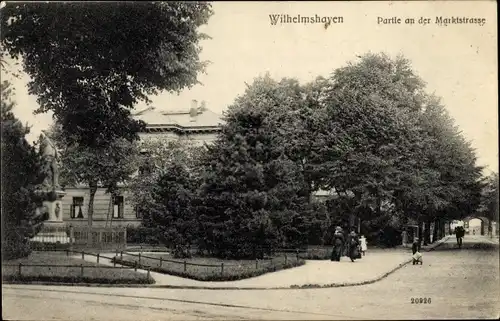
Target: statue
<point>50,158</point>
<point>57,210</point>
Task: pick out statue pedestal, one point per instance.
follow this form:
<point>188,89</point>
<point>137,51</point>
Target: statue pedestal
<point>54,229</point>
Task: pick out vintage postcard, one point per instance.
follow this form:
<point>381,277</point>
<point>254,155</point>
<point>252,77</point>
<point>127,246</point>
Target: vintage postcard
<point>328,160</point>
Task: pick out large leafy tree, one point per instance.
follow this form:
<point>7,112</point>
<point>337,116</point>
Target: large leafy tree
<point>393,146</point>
<point>106,166</point>
<point>21,175</point>
<point>90,63</point>
<point>489,199</point>
<point>455,189</point>
<point>370,132</point>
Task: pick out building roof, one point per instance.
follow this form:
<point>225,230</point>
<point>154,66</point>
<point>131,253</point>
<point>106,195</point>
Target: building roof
<point>179,121</point>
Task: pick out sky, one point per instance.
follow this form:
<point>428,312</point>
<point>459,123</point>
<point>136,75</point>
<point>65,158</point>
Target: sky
<point>458,61</point>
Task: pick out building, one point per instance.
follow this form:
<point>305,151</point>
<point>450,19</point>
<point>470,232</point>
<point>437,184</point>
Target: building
<point>197,123</point>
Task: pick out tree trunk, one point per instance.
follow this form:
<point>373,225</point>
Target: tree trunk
<point>427,233</point>
<point>435,233</point>
<point>420,232</point>
<point>90,212</point>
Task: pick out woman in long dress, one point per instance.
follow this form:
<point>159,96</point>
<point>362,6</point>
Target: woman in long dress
<point>338,244</point>
<point>353,246</point>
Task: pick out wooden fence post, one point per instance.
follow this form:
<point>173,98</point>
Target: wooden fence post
<point>297,254</point>
<point>161,260</point>
<point>139,257</point>
<point>81,270</point>
<point>114,262</point>
<point>256,264</point>
<point>19,271</point>
<point>222,268</point>
<point>185,266</point>
<point>121,255</point>
<point>286,259</point>
<point>97,257</point>
<point>83,255</point>
<point>149,272</point>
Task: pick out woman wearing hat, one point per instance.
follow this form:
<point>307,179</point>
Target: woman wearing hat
<point>338,244</point>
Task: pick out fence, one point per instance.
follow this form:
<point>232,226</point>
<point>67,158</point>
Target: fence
<point>54,238</point>
<point>140,260</point>
<point>99,237</point>
<point>63,270</point>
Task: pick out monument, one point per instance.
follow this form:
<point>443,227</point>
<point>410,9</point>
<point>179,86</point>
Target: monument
<point>54,229</point>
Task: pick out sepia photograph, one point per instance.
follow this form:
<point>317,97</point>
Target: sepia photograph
<point>249,160</point>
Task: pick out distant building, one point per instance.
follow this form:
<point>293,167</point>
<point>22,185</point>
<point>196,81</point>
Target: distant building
<point>197,123</point>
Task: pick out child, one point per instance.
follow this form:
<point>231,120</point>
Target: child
<point>363,242</point>
<point>415,249</point>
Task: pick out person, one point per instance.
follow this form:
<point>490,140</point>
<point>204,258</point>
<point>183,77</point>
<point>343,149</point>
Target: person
<point>459,233</point>
<point>363,242</point>
<point>404,238</point>
<point>415,249</point>
<point>353,244</point>
<point>338,244</point>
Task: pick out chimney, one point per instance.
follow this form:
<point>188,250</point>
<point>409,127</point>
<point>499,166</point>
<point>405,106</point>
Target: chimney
<point>203,106</point>
<point>193,112</point>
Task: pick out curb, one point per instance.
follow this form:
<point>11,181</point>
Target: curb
<point>292,287</point>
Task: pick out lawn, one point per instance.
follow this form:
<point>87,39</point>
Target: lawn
<point>92,272</point>
<point>208,268</point>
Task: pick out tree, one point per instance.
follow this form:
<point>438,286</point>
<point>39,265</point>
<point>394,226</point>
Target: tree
<point>91,63</point>
<point>456,189</point>
<point>489,200</point>
<point>172,212</point>
<point>105,166</point>
<point>21,175</point>
<point>253,194</point>
<point>388,142</point>
<point>370,131</point>
<point>156,158</point>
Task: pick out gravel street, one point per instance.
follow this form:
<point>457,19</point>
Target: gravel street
<point>460,283</point>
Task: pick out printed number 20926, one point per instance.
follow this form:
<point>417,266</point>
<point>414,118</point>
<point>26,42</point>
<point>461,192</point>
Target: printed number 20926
<point>420,300</point>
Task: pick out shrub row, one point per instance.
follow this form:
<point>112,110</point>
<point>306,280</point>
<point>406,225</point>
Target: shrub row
<point>142,235</point>
<point>72,279</point>
<point>214,277</point>
<point>40,246</point>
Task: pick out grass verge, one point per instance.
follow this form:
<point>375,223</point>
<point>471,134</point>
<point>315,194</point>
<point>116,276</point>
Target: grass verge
<point>57,267</point>
<point>209,269</point>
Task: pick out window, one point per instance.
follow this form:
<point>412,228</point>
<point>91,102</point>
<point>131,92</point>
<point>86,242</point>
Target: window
<point>76,207</point>
<point>138,213</point>
<point>118,207</point>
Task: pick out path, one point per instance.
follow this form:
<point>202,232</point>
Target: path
<point>461,284</point>
<point>319,273</point>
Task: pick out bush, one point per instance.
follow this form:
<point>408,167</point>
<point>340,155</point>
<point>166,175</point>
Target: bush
<point>40,246</point>
<point>12,249</point>
<point>390,237</point>
<point>142,235</point>
<point>72,279</point>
